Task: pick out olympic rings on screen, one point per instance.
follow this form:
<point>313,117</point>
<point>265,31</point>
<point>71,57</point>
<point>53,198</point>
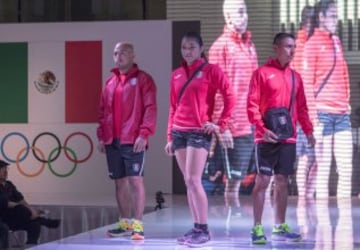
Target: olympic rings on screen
<point>26,142</point>
<point>40,156</point>
<point>73,168</point>
<point>41,169</point>
<point>57,141</point>
<point>87,138</point>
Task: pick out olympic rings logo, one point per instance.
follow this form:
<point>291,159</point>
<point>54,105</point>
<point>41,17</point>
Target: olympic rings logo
<point>40,155</point>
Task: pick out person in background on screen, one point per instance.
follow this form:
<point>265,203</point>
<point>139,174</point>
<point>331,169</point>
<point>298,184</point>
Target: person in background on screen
<point>325,68</point>
<point>235,53</point>
<point>306,165</point>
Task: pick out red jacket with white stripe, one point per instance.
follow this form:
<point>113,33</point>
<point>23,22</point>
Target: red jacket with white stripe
<point>270,87</point>
<point>138,107</point>
<point>196,105</point>
<point>236,56</point>
<point>318,61</point>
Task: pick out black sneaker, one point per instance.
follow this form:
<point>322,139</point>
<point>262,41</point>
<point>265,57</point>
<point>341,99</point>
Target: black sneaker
<point>198,238</point>
<point>181,240</point>
<point>49,223</point>
<point>124,228</point>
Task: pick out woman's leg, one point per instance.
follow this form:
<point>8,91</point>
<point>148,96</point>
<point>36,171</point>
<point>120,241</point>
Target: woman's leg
<point>343,155</point>
<point>194,167</point>
<point>181,157</point>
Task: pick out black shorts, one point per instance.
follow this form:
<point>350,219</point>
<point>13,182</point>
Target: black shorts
<point>277,158</point>
<point>122,161</point>
<point>190,139</point>
<point>239,157</point>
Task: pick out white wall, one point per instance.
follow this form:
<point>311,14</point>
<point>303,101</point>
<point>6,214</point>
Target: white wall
<point>152,41</point>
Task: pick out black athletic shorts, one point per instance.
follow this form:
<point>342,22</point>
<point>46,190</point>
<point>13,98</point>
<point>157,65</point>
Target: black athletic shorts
<point>275,158</point>
<point>123,161</point>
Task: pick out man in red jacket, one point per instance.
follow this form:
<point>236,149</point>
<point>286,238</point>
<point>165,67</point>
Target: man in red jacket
<point>235,53</point>
<point>272,86</point>
<point>127,117</point>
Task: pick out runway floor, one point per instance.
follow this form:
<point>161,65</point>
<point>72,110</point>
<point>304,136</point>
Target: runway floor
<point>325,224</point>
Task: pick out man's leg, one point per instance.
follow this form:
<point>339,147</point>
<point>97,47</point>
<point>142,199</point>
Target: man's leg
<point>258,194</point>
<point>138,196</point>
<point>4,236</point>
<point>122,192</point>
<point>280,197</point>
<point>33,230</point>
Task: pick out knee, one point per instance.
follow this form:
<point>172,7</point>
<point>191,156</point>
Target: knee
<point>192,182</point>
<point>281,181</point>
<point>262,182</point>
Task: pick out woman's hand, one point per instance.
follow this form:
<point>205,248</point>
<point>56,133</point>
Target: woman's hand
<point>168,149</point>
<point>210,127</point>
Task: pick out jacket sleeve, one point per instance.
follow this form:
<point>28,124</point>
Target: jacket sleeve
<point>16,195</point>
<point>101,118</point>
<point>253,102</point>
<point>302,109</point>
<point>172,108</point>
<point>308,71</point>
<point>148,125</point>
<point>227,93</point>
<point>217,56</point>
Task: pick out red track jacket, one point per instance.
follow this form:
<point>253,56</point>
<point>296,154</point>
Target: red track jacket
<point>270,87</point>
<point>136,110</point>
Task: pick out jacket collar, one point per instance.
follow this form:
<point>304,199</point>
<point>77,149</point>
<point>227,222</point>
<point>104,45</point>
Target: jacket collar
<point>238,38</point>
<point>131,73</point>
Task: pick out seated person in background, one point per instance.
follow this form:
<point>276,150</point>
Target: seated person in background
<point>4,229</point>
<point>16,213</point>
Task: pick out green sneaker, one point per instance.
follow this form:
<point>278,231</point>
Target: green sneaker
<point>283,233</point>
<point>123,228</point>
<point>138,230</point>
<point>257,235</point>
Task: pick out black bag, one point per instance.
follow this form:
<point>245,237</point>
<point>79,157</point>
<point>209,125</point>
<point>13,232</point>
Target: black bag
<point>278,120</point>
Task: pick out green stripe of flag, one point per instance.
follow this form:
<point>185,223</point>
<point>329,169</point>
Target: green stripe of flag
<point>13,83</point>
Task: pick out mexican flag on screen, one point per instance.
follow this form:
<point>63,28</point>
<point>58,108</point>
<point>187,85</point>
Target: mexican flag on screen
<point>50,82</point>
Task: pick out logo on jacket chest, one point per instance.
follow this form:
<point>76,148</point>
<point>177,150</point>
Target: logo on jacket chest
<point>133,81</point>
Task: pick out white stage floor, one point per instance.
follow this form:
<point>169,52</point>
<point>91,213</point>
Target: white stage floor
<point>325,224</point>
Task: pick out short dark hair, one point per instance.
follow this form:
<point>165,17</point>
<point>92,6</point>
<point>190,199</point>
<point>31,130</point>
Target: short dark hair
<point>194,35</point>
<point>281,36</point>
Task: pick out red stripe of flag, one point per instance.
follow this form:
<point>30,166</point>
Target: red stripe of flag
<point>83,80</point>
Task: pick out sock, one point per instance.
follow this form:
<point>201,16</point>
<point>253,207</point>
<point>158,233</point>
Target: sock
<point>196,225</point>
<point>203,227</point>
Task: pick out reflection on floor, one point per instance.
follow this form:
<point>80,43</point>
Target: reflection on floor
<point>325,224</point>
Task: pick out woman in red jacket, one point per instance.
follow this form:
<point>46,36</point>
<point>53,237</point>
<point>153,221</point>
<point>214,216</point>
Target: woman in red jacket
<point>325,68</point>
<point>190,126</point>
<point>306,160</point>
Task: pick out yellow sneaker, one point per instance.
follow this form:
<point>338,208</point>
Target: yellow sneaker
<point>138,230</point>
<point>124,228</point>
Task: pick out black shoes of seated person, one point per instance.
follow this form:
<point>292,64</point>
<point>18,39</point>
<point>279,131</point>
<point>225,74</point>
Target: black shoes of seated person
<point>49,223</point>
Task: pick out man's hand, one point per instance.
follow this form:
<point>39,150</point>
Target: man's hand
<point>140,144</point>
<point>311,140</point>
<point>101,147</point>
<point>226,139</point>
<point>12,204</point>
<point>269,136</point>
